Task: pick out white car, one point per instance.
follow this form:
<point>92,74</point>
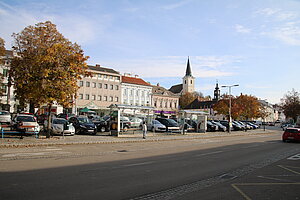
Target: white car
<point>61,126</point>
<point>136,122</point>
<point>26,123</point>
<point>5,117</point>
<point>157,126</point>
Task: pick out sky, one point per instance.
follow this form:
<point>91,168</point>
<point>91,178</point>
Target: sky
<point>252,43</point>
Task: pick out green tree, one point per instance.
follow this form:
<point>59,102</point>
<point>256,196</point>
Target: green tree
<point>290,104</point>
<point>47,68</point>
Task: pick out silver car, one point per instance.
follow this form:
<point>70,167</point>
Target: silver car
<point>5,117</point>
<point>156,126</point>
<point>61,126</point>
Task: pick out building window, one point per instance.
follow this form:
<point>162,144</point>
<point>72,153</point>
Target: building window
<point>105,76</point>
<point>191,82</point>
<point>131,92</point>
<point>116,99</point>
<point>105,98</point>
<point>170,104</point>
<point>111,99</point>
<point>93,97</point>
<point>111,87</point>
<point>80,96</point>
<point>87,84</point>
<point>81,83</point>
<point>117,78</point>
<point>166,104</point>
<point>137,93</point>
<point>161,104</point>
<point>87,97</point>
<point>94,85</point>
<point>155,104</point>
<point>99,98</point>
<point>117,87</point>
<point>105,86</point>
<point>111,77</point>
<point>99,85</point>
<point>175,105</point>
<point>99,75</point>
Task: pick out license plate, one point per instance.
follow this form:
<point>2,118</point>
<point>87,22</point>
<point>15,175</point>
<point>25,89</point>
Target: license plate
<point>90,130</point>
<point>291,138</point>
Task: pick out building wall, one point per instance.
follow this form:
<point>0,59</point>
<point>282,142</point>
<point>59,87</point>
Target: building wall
<point>165,104</point>
<point>8,97</point>
<point>188,84</point>
<point>99,91</point>
<point>138,95</point>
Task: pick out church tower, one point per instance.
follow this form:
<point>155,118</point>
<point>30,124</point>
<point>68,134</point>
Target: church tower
<point>217,93</point>
<point>188,84</point>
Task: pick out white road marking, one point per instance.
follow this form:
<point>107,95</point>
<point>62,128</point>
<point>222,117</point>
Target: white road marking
<point>247,147</point>
<point>53,149</point>
<point>294,157</point>
<point>23,154</point>
<point>138,164</point>
<point>210,153</point>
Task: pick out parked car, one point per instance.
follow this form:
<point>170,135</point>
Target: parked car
<point>107,123</point>
<point>291,134</point>
<point>83,125</point>
<point>5,117</point>
<point>285,126</point>
<point>66,116</point>
<point>211,127</point>
<point>61,126</point>
<point>237,127</point>
<point>136,122</point>
<point>25,123</point>
<point>220,126</point>
<point>170,124</point>
<point>156,126</point>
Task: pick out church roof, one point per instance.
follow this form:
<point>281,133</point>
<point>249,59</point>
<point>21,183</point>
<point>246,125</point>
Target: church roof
<point>176,88</point>
<point>188,71</point>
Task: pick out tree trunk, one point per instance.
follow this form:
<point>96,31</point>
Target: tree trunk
<point>31,107</point>
<point>49,121</point>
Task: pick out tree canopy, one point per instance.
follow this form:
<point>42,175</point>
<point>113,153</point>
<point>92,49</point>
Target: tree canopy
<point>290,104</point>
<point>2,60</point>
<point>47,67</point>
<point>242,107</point>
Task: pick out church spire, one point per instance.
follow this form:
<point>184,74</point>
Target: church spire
<point>188,71</point>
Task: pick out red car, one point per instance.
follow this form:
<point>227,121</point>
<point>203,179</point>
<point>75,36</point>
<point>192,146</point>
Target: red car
<point>291,134</point>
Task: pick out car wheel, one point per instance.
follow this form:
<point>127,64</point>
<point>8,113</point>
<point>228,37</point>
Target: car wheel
<point>152,129</point>
<point>102,129</point>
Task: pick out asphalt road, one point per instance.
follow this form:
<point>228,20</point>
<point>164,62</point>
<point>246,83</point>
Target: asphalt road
<point>215,168</point>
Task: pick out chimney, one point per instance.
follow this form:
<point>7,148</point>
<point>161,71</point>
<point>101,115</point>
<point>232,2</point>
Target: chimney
<point>136,76</point>
<point>97,65</point>
<point>157,85</point>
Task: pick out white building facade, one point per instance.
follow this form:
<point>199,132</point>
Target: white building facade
<point>135,91</point>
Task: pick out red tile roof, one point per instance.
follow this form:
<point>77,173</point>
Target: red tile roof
<point>133,80</point>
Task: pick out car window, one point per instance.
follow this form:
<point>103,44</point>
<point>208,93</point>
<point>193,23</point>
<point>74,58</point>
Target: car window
<point>59,121</point>
<point>4,113</point>
<point>84,120</point>
<point>25,119</point>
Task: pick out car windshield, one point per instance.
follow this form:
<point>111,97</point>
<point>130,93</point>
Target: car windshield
<point>172,122</point>
<point>4,113</point>
<point>25,119</point>
<point>59,121</point>
<point>84,120</point>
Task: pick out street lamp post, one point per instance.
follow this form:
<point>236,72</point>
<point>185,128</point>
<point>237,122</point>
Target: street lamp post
<point>229,89</point>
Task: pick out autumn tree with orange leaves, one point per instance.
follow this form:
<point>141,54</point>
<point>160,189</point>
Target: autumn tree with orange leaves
<point>47,68</point>
<point>243,107</point>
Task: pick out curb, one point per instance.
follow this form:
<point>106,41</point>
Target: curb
<point>136,139</point>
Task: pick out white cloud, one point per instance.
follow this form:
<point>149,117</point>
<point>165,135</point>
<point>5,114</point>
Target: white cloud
<point>267,11</point>
<point>277,14</point>
<point>176,5</point>
<point>76,28</point>
<point>175,66</point>
<point>288,33</point>
<point>241,29</point>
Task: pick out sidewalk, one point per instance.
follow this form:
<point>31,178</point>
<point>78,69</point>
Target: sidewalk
<point>30,141</point>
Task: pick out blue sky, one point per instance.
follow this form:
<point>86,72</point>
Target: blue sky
<point>253,43</point>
